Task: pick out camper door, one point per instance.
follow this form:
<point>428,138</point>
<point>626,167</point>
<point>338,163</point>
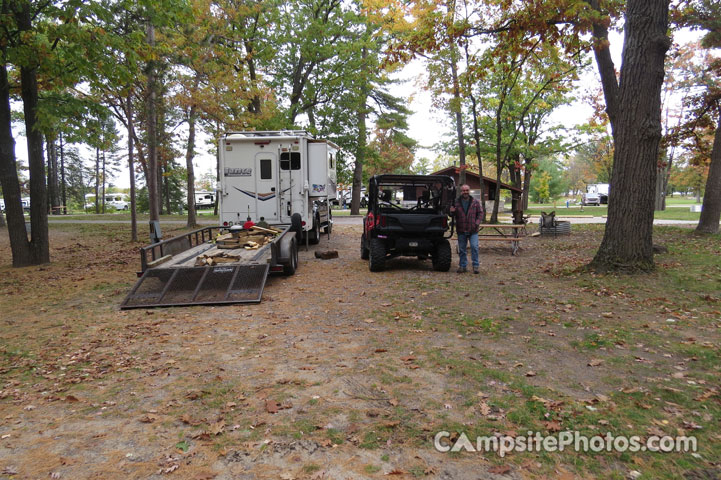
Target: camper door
<point>266,196</point>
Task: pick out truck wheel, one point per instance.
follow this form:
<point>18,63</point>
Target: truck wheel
<point>292,265</point>
<point>442,256</point>
<point>377,255</point>
<point>314,233</point>
<point>364,249</point>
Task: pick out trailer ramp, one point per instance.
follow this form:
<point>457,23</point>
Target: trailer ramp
<point>221,284</point>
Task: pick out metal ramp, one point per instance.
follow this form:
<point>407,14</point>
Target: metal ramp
<point>222,284</point>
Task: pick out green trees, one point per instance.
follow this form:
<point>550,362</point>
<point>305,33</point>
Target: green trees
<point>706,106</point>
<point>46,47</point>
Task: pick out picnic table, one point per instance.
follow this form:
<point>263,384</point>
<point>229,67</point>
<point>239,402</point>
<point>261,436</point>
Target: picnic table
<point>502,232</point>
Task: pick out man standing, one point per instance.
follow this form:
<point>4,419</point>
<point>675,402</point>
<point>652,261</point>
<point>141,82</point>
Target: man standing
<point>467,211</point>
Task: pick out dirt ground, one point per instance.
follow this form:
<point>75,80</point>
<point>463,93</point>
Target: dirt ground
<point>344,374</point>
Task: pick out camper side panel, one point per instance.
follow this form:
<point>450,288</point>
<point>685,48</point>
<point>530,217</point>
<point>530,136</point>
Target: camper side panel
<point>322,169</point>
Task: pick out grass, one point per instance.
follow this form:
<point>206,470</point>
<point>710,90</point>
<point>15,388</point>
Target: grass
<point>589,211</point>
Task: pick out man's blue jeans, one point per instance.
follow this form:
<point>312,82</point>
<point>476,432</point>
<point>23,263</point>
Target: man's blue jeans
<point>463,239</point>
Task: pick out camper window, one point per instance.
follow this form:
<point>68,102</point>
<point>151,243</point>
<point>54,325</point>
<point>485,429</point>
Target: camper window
<point>266,169</point>
<point>330,161</point>
<point>290,158</point>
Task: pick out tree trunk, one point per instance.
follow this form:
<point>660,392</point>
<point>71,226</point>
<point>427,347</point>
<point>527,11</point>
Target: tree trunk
<point>19,245</point>
<point>166,188</point>
<point>103,178</point>
<point>131,168</point>
<point>456,105</point>
<point>63,185</point>
<point>359,161</point>
<point>711,210</point>
<point>40,242</point>
<point>477,138</point>
<point>97,180</point>
<point>189,154</point>
<point>499,168</point>
<point>635,114</point>
<point>660,195</point>
<point>361,147</point>
<point>52,173</point>
<point>526,186</point>
<point>152,178</point>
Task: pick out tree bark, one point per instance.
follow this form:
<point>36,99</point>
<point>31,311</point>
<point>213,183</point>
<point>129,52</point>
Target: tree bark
<point>189,154</point>
<point>52,173</point>
<point>131,168</point>
<point>361,147</point>
<point>359,161</point>
<point>634,107</point>
<point>40,242</point>
<point>152,177</point>
<point>63,185</point>
<point>526,186</point>
<point>103,178</point>
<point>459,120</point>
<point>711,209</point>
<point>477,138</point>
<point>97,180</point>
<point>19,245</point>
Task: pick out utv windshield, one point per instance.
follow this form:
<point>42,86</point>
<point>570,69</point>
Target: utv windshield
<point>412,193</point>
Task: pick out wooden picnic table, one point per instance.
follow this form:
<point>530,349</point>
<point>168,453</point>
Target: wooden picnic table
<point>504,232</point>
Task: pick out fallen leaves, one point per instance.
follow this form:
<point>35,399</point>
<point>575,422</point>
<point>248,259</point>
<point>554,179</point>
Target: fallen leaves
<point>148,418</point>
<point>499,469</point>
<point>271,406</point>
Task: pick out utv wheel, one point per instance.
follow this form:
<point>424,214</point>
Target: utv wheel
<point>377,255</point>
<point>364,249</point>
<point>314,237</point>
<point>290,268</point>
<point>442,256</point>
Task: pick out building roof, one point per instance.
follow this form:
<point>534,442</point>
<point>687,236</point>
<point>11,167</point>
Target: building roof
<point>455,172</point>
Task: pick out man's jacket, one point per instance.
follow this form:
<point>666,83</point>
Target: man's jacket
<point>467,222</point>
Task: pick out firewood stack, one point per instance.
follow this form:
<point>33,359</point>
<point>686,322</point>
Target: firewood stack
<point>215,259</point>
<point>251,239</point>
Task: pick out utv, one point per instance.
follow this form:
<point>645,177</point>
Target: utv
<point>408,216</point>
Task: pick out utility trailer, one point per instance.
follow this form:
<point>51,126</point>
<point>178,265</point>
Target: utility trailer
<point>281,177</point>
<point>170,277</point>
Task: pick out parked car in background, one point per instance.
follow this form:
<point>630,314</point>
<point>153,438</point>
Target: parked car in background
<point>591,197</point>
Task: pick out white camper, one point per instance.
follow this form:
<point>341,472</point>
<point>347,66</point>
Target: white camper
<point>204,200</point>
<point>282,177</point>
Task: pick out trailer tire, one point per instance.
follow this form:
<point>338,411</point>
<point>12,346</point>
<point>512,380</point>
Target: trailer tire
<point>364,250</point>
<point>442,256</point>
<point>292,265</point>
<point>377,255</point>
<point>314,233</point>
